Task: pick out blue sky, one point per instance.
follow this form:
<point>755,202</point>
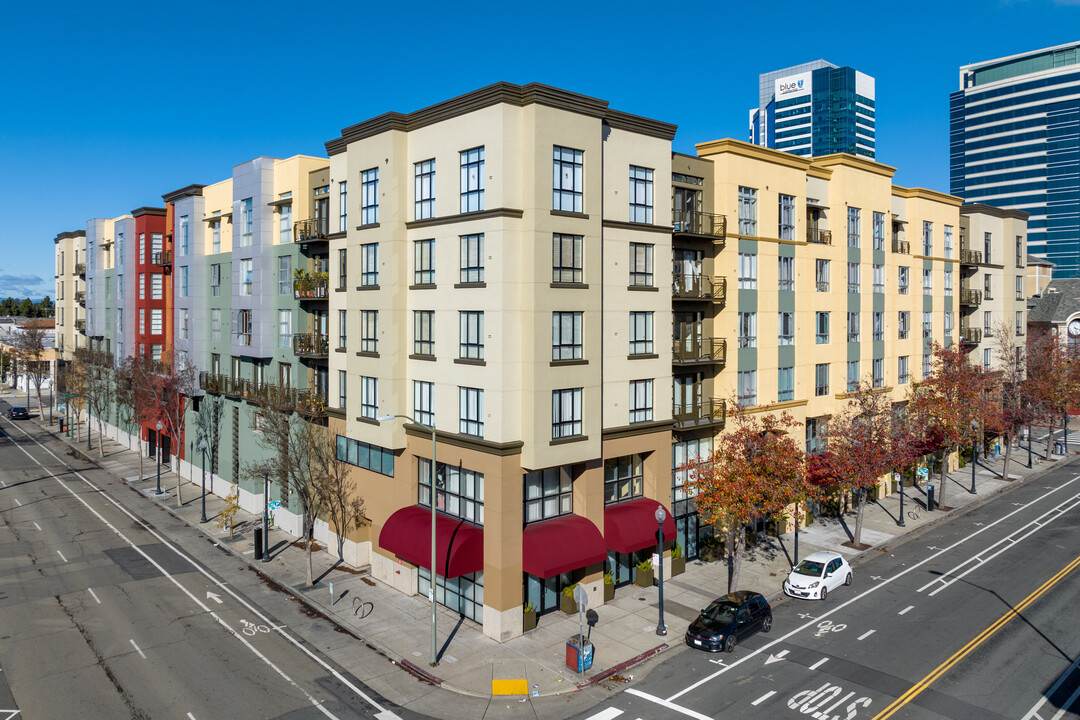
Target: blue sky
<point>107,106</point>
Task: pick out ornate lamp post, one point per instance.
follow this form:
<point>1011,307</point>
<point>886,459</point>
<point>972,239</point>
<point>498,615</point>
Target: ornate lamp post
<point>660,514</point>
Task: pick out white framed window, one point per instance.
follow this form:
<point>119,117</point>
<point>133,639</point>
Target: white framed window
<point>247,222</point>
<point>285,328</point>
<point>641,401</point>
<point>852,375</point>
<point>747,211</point>
<point>785,384</point>
<point>747,381</point>
<point>369,196</point>
<point>369,331</point>
<point>215,280</point>
<point>948,322</point>
<point>156,325</point>
<point>342,388</point>
<point>566,258</point>
<point>142,286</point>
<point>641,195</point>
<point>785,273</point>
<point>424,332</point>
<point>903,280</point>
<point>988,245</point>
<point>215,324</point>
<point>821,328</point>
<point>157,286</point>
<point>928,282</point>
<point>471,411</point>
<point>1019,322</point>
<point>1019,288</point>
<point>641,333</point>
<point>903,376</point>
<point>948,282</point>
<point>853,327</point>
<point>185,235</point>
<point>285,275</point>
<point>471,339</point>
<point>369,397</point>
<point>369,265</point>
<point>184,280</point>
<point>927,324</point>
<point>155,352</point>
<point>747,271</point>
<point>821,379</point>
<point>566,413</point>
<point>948,240</point>
<point>424,189</point>
<point>215,236</point>
<point>424,262</point>
<point>786,229</point>
<point>903,323</point>
<point>879,325</point>
<point>566,342</point>
<point>854,229</point>
<point>472,180</point>
<point>567,179</point>
<point>424,402</point>
<point>879,372</point>
<point>343,206</point>
<point>928,238</point>
<point>142,249</point>
<point>988,322</point>
<point>472,258</point>
<point>879,231</point>
<point>343,329</point>
<point>184,317</point>
<point>821,275</point>
<point>142,321</point>
<point>747,329</point>
<point>285,234</point>
<point>246,279</point>
<point>786,328</point>
<point>879,279</point>
<point>854,281</point>
<point>927,366</point>
<point>987,359</point>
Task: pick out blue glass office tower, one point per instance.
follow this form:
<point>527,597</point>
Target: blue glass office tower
<point>1014,142</point>
<point>815,109</point>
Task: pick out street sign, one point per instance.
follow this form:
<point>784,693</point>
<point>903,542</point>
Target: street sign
<point>581,597</point>
<point>924,472</point>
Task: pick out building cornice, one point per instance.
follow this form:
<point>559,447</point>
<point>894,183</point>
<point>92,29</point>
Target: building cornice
<point>139,212</point>
<point>467,442</point>
<point>925,194</point>
<point>189,191</point>
<point>465,217</point>
<point>69,234</point>
<point>756,152</point>
<point>984,209</point>
<point>647,428</point>
<point>854,161</point>
<point>643,227</point>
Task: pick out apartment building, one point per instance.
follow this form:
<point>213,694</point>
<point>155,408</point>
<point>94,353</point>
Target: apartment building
<point>70,252</point>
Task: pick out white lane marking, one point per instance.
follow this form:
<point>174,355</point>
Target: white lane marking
<point>383,713</point>
<point>764,697</point>
<point>38,527</point>
<point>606,714</point>
<point>3,483</point>
<point>190,716</point>
<point>213,596</point>
<point>19,502</point>
<point>863,595</point>
<point>1033,712</point>
<point>1068,704</point>
<point>249,552</point>
<point>95,595</point>
<point>61,556</point>
<point>668,704</point>
<point>819,663</point>
<point>906,610</point>
<point>866,634</point>
<point>141,653</point>
<point>776,658</point>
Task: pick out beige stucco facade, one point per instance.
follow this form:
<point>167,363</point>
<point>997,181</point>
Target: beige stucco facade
<point>70,252</point>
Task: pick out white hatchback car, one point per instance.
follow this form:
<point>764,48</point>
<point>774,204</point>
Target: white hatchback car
<point>817,574</point>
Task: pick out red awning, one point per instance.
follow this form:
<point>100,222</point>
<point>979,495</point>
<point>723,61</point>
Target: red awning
<point>561,545</point>
<point>459,545</point>
<point>631,526</point>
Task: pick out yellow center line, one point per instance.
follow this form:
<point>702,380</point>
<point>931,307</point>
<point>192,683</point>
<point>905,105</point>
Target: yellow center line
<point>974,643</point>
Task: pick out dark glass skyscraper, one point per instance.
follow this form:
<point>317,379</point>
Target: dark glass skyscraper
<point>1014,136</point>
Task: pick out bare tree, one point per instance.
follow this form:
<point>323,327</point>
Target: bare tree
<point>97,368</point>
<point>340,492</point>
<point>133,395</point>
<point>208,427</point>
<point>30,350</point>
<point>173,383</point>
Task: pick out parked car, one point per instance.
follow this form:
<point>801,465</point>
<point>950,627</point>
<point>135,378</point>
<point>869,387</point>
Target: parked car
<point>18,413</point>
<point>729,620</point>
<point>817,574</point>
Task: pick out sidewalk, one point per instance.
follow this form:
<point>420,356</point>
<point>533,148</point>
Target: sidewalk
<point>397,626</point>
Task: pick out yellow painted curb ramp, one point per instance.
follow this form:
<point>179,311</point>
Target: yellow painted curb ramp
<point>510,687</point>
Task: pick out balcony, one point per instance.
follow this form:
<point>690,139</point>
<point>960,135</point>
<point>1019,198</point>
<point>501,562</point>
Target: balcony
<point>311,230</point>
<point>691,222</point>
<point>819,237</point>
<point>80,268</point>
<point>311,286</point>
<point>311,403</point>
<point>698,287</point>
<point>162,257</point>
<point>970,336</point>
<point>80,326</point>
<point>311,345</point>
<point>901,247</point>
<point>80,297</point>
<point>710,413</point>
<point>970,257</point>
<point>970,297</point>
<point>694,351</point>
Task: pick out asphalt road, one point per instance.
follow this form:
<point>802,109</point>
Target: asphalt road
<point>103,616</point>
<point>973,618</point>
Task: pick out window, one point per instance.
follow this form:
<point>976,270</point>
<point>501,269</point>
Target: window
<point>548,493</point>
<point>185,235</point>
<point>424,189</point>
<point>928,282</point>
<point>215,280</point>
<point>156,243</point>
<point>902,374</point>
<point>786,230</point>
<point>988,322</point>
<point>424,402</point>
<point>369,265</point>
<point>142,249</point>
<point>183,280</point>
<point>747,380</point>
<point>285,331</point>
<point>815,435</point>
<point>879,231</point>
<point>424,262</point>
<point>370,457</point>
<point>243,327</point>
<point>747,211</point>
<point>821,275</point>
<point>472,180</point>
<point>471,411</point>
<point>821,379</point>
<point>987,287</point>
<point>369,196</point>
<point>624,478</point>
<point>343,329</point>
<point>641,265</point>
<point>1019,288</point>
<point>853,277</point>
<point>155,352</point>
<point>948,241</point>
<point>215,324</point>
<point>119,286</point>
<point>987,246</point>
<point>747,329</point>
<point>284,275</point>
<point>247,222</point>
<point>641,333</point>
<point>342,387</point>
<point>460,493</point>
<point>987,358</point>
<point>786,328</point>
<point>567,180</point>
<point>854,218</point>
<point>785,384</point>
<point>246,277</point>
<point>565,413</point>
<point>927,324</point>
<point>948,282</point>
<point>928,238</point>
<point>853,327</point>
<point>215,236</point>
<point>879,372</point>
<point>1019,251</point>
<point>879,279</point>
<point>948,322</point>
<point>641,194</point>
<point>566,258</point>
<point>471,344</point>
<point>821,327</point>
<point>157,285</point>
<point>284,222</point>
<point>566,335</point>
<point>903,324</point>
<point>343,257</point>
<point>852,375</point>
<point>879,325</point>
<point>786,273</point>
<point>641,401</point>
<point>369,397</point>
<point>903,279</point>
<point>142,286</point>
<point>142,321</point>
<point>343,206</point>
<point>472,258</point>
<point>927,366</point>
<point>423,332</point>
<point>1019,322</point>
<point>747,271</point>
<point>184,313</point>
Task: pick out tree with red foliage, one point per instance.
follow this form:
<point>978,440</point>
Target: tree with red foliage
<point>134,401</point>
<point>757,469</point>
<point>173,383</point>
<point>1012,409</point>
<point>1048,382</point>
<point>952,402</point>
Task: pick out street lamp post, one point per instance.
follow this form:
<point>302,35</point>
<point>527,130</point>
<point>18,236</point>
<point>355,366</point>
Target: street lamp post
<point>434,572</point>
<point>1029,445</point>
<point>202,449</point>
<point>900,522</point>
<point>266,512</point>
<point>974,452</point>
<point>796,533</point>
<point>660,514</point>
<point>1065,433</point>
<point>157,452</point>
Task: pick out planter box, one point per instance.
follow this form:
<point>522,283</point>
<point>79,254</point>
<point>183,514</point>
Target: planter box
<point>678,566</point>
<point>609,592</point>
<point>710,553</point>
<point>567,604</point>
<point>529,621</point>
<point>644,578</point>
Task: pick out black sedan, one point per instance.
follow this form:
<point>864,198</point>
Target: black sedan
<point>18,413</point>
<point>729,620</point>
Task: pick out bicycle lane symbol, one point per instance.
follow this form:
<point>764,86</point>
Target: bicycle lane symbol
<point>250,628</point>
<point>827,626</point>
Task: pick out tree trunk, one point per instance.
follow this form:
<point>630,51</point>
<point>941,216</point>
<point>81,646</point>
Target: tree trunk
<point>857,541</point>
<point>1049,439</point>
<point>100,432</point>
<point>738,545</point>
<point>309,534</point>
<point>179,499</point>
<point>1008,454</point>
<point>941,484</point>
<point>341,546</point>
<point>140,457</point>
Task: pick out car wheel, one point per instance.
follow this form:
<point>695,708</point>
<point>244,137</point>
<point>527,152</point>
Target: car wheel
<point>847,580</point>
<point>766,624</point>
<point>729,644</point>
<point>824,593</point>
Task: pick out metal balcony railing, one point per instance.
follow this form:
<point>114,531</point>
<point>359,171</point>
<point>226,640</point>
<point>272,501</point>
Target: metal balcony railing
<point>311,403</point>
<point>970,257</point>
<point>80,325</point>
<point>80,297</point>
<point>691,222</point>
<point>709,412</point>
<point>311,230</point>
<point>699,350</point>
<point>970,336</point>
<point>162,257</point>
<point>821,237</point>
<point>311,345</point>
<point>313,286</point>
<point>901,247</point>
<point>970,297</point>
<point>698,287</point>
<point>80,268</point>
